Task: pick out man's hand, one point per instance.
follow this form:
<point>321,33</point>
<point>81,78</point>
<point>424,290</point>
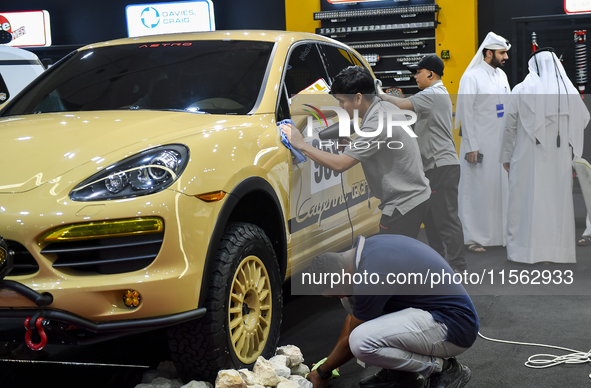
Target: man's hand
<point>339,163</point>
<point>316,380</point>
<point>343,142</point>
<point>401,102</point>
<point>507,166</point>
<point>472,157</point>
<point>294,136</point>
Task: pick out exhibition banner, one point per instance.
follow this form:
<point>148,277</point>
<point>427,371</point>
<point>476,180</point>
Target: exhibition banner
<point>28,29</point>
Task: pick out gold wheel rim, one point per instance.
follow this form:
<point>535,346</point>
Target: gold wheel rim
<point>250,309</point>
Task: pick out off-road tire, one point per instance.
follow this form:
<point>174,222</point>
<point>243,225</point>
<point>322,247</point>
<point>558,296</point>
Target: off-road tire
<point>202,347</point>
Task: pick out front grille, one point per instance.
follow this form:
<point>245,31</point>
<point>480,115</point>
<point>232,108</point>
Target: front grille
<point>24,263</point>
<point>107,255</point>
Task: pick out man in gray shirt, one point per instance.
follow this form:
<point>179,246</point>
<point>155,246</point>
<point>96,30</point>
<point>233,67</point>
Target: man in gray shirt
<point>440,160</point>
<point>392,164</point>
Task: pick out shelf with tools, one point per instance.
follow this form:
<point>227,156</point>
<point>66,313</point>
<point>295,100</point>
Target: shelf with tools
<point>389,37</point>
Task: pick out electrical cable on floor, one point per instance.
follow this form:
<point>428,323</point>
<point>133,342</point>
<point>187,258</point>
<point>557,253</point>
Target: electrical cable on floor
<point>540,361</point>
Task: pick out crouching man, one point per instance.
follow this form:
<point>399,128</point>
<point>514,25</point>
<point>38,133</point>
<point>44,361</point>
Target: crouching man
<point>407,315</point>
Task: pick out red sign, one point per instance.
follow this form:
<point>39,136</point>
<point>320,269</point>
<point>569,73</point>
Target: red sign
<point>5,24</point>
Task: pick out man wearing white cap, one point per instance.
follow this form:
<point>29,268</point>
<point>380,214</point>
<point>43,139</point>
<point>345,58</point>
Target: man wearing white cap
<point>544,129</point>
<point>480,108</point>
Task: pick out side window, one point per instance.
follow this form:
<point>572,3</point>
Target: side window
<point>304,68</point>
<point>283,107</point>
<point>337,59</point>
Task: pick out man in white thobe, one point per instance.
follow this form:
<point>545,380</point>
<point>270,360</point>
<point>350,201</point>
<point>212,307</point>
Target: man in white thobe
<point>585,239</point>
<point>545,120</point>
<point>482,192</point>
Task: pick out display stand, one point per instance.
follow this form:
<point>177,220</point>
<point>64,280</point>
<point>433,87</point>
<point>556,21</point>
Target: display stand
<point>389,34</point>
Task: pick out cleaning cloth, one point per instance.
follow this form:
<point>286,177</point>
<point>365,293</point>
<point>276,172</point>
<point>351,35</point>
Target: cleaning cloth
<point>300,156</point>
<point>335,373</point>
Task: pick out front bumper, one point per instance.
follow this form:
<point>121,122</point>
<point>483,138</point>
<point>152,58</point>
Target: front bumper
<point>79,330</point>
<point>169,285</point>
<point>82,307</point>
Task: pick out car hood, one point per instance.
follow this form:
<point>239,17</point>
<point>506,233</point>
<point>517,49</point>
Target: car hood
<point>39,148</point>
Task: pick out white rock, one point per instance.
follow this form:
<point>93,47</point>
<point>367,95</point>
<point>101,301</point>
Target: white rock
<point>293,353</point>
<point>249,377</point>
<point>280,360</point>
<point>283,372</point>
<point>161,382</point>
<point>158,382</point>
<point>300,370</point>
<point>255,386</point>
<point>229,378</point>
<point>168,368</point>
<point>301,381</point>
<point>280,363</point>
<point>176,383</point>
<point>150,375</point>
<point>198,384</point>
<point>304,383</point>
<point>288,384</point>
<point>266,373</point>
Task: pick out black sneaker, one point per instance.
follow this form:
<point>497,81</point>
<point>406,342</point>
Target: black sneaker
<point>455,376</point>
<point>390,378</point>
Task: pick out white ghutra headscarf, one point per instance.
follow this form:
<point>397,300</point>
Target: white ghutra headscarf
<point>491,42</point>
<point>547,93</point>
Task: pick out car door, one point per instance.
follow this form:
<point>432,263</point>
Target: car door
<point>319,218</point>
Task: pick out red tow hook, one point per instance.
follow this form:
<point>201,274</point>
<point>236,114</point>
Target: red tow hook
<point>39,325</point>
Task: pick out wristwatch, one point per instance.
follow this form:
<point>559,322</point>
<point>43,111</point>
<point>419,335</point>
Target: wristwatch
<point>324,375</point>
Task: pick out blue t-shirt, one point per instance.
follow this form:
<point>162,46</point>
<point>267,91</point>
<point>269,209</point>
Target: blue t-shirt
<point>395,254</point>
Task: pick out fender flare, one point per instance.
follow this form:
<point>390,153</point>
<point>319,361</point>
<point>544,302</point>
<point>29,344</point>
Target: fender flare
<point>247,186</point>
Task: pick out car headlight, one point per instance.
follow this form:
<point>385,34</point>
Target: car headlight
<point>148,172</point>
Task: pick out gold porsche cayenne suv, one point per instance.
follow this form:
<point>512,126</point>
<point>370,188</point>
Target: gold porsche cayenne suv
<point>145,185</point>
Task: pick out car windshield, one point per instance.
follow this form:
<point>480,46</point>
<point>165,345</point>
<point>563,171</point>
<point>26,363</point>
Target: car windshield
<point>218,77</point>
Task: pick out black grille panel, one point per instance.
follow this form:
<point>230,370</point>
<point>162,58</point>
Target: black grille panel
<point>107,255</point>
<point>24,263</point>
